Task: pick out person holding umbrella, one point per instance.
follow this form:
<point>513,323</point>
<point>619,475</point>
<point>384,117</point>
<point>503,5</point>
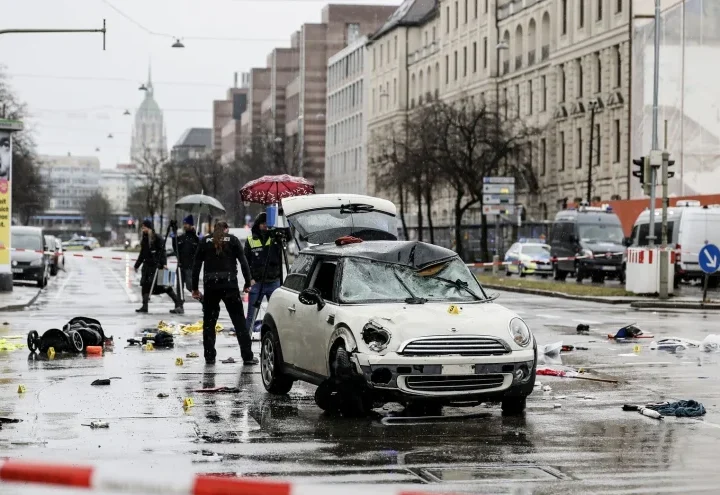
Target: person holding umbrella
<point>186,245</point>
<point>220,253</point>
<point>152,258</point>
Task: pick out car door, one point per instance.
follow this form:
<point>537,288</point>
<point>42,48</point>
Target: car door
<point>567,246</point>
<point>284,305</point>
<point>318,323</point>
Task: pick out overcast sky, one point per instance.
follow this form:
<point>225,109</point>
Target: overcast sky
<point>77,93</point>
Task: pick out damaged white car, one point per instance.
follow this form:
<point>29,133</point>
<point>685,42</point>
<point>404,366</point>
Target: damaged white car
<point>371,320</point>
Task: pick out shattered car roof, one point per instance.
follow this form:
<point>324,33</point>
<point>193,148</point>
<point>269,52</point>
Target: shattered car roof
<point>414,254</point>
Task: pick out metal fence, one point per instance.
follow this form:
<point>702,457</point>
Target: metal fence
<point>471,235</point>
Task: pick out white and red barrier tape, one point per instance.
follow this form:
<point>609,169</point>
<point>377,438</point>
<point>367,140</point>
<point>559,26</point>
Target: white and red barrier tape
<point>673,255</point>
<point>72,254</point>
<point>112,480</point>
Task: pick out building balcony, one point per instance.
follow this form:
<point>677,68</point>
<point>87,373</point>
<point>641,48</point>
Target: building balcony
<point>545,52</point>
<point>518,62</point>
<point>531,58</point>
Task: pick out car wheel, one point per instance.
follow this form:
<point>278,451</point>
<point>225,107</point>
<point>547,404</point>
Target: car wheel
<point>273,378</point>
<point>355,398</point>
<point>75,340</point>
<point>53,270</point>
<point>513,406</point>
<point>327,397</point>
<point>33,339</point>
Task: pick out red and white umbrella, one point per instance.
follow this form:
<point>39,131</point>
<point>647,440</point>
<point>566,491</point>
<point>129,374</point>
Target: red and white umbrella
<point>270,189</point>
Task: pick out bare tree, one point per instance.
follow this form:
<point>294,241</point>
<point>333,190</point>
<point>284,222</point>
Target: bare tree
<point>389,165</point>
<point>97,211</point>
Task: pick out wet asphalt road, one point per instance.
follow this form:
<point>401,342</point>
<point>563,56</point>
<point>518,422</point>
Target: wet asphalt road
<point>587,445</point>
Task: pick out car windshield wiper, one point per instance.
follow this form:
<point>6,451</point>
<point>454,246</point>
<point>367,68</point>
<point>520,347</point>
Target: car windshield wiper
<point>413,299</point>
<point>458,284</point>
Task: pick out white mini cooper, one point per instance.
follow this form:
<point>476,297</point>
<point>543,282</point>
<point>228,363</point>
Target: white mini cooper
<point>371,320</point>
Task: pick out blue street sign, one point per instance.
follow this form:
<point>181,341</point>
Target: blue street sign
<point>709,257</point>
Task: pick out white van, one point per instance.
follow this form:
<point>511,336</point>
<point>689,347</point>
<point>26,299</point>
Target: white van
<point>690,226</point>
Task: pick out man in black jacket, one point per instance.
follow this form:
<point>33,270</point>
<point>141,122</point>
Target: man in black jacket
<point>153,258</point>
<point>220,253</point>
<point>259,248</point>
<point>186,244</point>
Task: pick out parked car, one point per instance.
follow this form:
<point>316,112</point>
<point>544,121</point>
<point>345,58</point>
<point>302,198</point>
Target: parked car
<point>690,226</point>
<point>371,320</point>
<point>28,259</point>
<point>53,255</point>
<point>61,253</point>
<point>587,242</point>
<point>526,258</point>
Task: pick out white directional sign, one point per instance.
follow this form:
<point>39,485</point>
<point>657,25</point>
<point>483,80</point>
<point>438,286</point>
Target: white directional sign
<point>498,188</point>
<point>498,209</point>
<point>708,258</point>
<point>498,180</point>
<point>498,195</point>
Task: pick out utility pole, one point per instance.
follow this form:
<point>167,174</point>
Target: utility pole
<point>593,105</point>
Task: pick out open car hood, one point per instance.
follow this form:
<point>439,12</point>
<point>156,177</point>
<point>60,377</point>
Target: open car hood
<point>323,218</point>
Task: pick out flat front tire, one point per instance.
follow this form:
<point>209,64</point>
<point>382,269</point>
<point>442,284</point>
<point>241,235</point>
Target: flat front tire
<point>274,380</point>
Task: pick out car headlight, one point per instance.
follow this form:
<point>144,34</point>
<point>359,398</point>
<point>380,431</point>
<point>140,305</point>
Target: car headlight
<point>520,332</point>
<point>37,262</point>
<point>376,336</point>
<point>586,253</point>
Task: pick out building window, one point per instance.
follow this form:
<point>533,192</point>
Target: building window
<point>466,11</point>
<point>561,83</point>
<point>600,9</point>
<point>618,67</point>
<point>395,47</point>
<point>388,51</point>
<point>530,97</point>
<point>580,78</point>
<point>485,53</point>
<point>426,38</point>
<point>486,6</point>
<point>447,69</point>
<point>618,142</point>
<point>543,94</point>
<point>381,55</point>
<point>564,16</point>
<point>598,69</point>
<point>579,144</point>
<point>433,34</point>
<point>517,100</point>
<point>465,61</point>
<point>447,19</point>
<point>505,101</point>
<point>374,53</point>
<point>476,9</point>
<point>581,14</point>
<point>543,156</point>
<point>455,67</point>
<point>597,150</point>
<point>457,15</point>
<point>474,56</point>
<point>562,150</point>
<point>618,6</point>
<point>374,100</point>
<point>352,33</point>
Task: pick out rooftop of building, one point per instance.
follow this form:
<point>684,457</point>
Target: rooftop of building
<point>195,137</point>
<point>409,13</point>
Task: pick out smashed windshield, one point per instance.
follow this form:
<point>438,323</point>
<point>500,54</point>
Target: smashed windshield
<point>373,281</point>
<point>599,233</point>
<point>324,226</point>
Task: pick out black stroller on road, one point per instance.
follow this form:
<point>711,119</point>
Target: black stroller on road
<point>75,337</point>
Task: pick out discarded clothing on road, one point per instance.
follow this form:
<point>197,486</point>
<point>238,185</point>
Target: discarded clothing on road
<point>197,327</point>
<point>681,408</point>
<point>630,332</point>
<point>219,390</point>
<point>5,345</point>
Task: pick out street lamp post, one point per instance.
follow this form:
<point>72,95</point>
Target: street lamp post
<point>45,31</point>
<point>593,106</point>
<point>301,143</point>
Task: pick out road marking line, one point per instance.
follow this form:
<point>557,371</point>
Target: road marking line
<point>588,322</point>
<point>128,292</point>
<point>61,290</point>
<point>552,317</point>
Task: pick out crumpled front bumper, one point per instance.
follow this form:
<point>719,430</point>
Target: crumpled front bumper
<point>448,377</point>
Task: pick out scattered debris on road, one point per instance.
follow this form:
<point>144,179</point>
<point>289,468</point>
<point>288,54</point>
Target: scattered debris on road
<point>630,332</point>
<point>98,424</point>
<point>104,381</point>
<point>162,395</point>
<point>219,390</point>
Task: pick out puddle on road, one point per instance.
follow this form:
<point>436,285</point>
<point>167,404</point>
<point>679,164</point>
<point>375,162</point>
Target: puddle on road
<point>492,473</point>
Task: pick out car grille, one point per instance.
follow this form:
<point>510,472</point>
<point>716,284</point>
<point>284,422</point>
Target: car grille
<point>542,263</point>
<point>465,346</point>
<point>453,383</point>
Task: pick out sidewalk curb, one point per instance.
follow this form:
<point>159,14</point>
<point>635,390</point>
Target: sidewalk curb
<point>561,295</point>
<point>18,307</point>
<point>674,305</point>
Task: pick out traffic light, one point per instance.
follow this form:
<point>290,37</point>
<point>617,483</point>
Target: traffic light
<point>670,173</point>
<point>640,172</point>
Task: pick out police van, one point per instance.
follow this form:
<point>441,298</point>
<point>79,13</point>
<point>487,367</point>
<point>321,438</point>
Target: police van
<point>690,226</point>
<point>588,242</point>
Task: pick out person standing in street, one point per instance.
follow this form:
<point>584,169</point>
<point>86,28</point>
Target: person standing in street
<point>186,245</point>
<point>220,253</point>
<point>261,249</point>
<point>153,258</point>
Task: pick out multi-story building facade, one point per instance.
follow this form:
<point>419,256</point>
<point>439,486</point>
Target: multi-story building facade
<point>345,156</point>
<point>226,134</point>
<point>194,144</point>
<point>556,64</point>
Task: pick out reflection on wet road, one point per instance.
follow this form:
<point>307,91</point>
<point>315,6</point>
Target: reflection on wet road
<point>587,445</point>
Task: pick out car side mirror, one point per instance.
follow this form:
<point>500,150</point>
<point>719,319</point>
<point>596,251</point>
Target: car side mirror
<point>628,241</point>
<point>311,297</point>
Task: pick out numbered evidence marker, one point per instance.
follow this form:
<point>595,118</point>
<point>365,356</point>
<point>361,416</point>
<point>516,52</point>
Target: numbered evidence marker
<point>454,309</point>
<point>179,361</point>
<point>636,349</point>
<point>188,403</point>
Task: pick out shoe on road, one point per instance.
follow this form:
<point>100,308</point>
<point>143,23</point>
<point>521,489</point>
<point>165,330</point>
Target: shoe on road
<point>252,362</point>
<point>144,309</point>
<point>178,311</point>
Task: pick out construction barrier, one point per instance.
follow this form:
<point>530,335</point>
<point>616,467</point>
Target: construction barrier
<point>112,480</point>
<point>642,274</point>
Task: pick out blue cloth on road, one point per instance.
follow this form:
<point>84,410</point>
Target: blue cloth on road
<point>267,289</point>
<point>681,408</point>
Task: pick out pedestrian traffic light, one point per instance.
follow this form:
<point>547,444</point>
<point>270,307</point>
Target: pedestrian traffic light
<point>670,173</point>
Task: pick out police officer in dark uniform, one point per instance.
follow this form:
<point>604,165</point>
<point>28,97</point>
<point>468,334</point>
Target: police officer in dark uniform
<point>220,254</point>
<point>264,253</point>
<point>153,258</point>
<point>186,245</point>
